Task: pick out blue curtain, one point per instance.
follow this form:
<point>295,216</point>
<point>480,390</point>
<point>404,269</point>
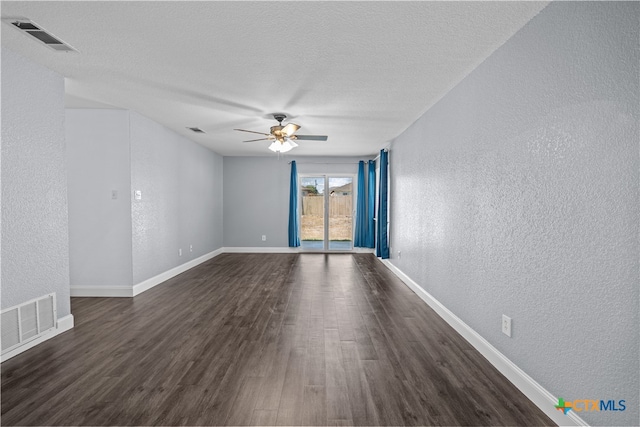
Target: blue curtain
<point>382,250</point>
<point>294,237</point>
<point>371,205</point>
<point>361,210</point>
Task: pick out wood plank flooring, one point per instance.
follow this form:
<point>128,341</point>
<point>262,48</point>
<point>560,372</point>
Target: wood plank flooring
<point>262,339</point>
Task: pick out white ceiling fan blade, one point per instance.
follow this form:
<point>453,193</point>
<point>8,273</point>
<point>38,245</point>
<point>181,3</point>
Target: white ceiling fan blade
<point>290,129</point>
<point>252,131</point>
<point>259,139</point>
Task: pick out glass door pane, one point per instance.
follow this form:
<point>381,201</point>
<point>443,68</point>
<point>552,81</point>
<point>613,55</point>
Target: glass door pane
<point>340,213</point>
<point>312,232</point>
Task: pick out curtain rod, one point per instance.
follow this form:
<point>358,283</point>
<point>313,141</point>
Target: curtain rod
<point>326,163</point>
<point>339,163</point>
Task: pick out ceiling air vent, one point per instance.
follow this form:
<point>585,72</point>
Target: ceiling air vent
<point>36,31</point>
<point>196,130</point>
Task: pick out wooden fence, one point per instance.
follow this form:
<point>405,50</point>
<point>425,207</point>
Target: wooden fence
<point>338,205</point>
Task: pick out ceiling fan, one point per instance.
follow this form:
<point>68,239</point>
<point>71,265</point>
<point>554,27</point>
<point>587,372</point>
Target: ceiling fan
<point>283,137</point>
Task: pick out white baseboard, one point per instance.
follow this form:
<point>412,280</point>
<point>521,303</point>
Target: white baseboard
<point>287,250</point>
<point>131,291</point>
<point>101,291</point>
<point>63,324</point>
<point>261,250</point>
<point>527,385</point>
<point>162,277</point>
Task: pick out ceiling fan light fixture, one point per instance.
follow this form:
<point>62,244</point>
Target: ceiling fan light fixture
<point>281,147</point>
<point>285,146</point>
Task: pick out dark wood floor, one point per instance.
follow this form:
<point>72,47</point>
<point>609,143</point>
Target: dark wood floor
<point>262,339</point>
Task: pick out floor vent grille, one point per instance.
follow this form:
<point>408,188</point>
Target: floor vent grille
<point>27,321</point>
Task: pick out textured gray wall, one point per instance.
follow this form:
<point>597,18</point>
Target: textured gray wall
<point>518,194</point>
<point>35,241</point>
<point>256,201</point>
<point>181,184</point>
<point>99,226</point>
<point>256,195</point>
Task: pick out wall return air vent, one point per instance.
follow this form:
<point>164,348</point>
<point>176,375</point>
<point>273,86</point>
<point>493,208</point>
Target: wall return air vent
<point>34,30</point>
<point>27,321</point>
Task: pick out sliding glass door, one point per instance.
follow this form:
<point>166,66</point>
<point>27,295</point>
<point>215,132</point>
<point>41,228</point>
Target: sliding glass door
<point>340,213</point>
<point>326,222</point>
<point>312,230</point>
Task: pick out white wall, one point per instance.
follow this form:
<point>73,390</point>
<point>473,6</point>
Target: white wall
<point>518,194</point>
<point>117,244</point>
<point>35,244</point>
<point>181,205</point>
<point>99,226</point>
<point>256,195</point>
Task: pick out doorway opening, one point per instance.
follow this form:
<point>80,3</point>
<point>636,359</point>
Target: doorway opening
<point>326,212</point>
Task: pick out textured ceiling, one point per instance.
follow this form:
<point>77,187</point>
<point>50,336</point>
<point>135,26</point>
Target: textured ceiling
<point>359,72</point>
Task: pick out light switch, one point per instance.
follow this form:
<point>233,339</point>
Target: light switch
<point>138,195</point>
<point>114,194</point>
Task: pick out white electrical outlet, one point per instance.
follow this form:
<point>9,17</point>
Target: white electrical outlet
<point>399,254</point>
<point>137,195</point>
<point>190,248</point>
<point>264,237</point>
<point>179,252</point>
<point>506,325</point>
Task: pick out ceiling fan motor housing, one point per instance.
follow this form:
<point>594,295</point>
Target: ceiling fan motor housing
<point>279,117</point>
<point>276,131</point>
